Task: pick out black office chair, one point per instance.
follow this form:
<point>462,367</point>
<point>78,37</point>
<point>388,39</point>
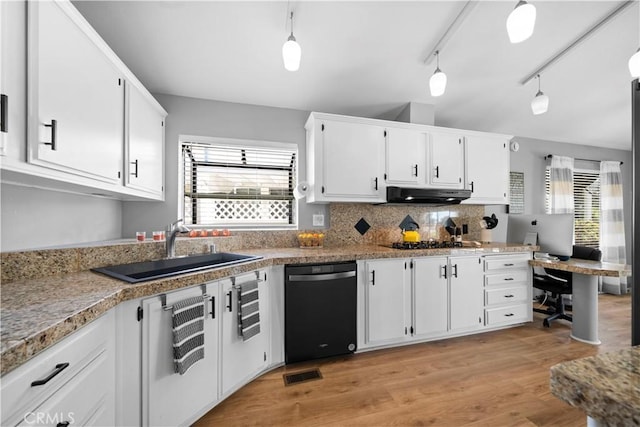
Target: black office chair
<point>559,283</point>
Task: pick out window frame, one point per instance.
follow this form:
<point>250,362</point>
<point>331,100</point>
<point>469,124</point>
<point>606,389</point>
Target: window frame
<point>233,142</point>
<point>578,170</point>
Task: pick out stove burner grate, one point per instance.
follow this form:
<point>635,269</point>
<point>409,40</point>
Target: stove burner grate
<point>426,244</point>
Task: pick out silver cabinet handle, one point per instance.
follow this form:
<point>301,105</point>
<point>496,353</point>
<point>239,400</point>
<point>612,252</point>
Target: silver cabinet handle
<point>321,277</point>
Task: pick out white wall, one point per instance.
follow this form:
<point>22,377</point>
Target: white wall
<point>34,218</point>
<point>199,117</point>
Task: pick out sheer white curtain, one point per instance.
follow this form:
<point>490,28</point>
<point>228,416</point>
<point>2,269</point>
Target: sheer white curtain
<point>561,185</point>
<point>612,242</point>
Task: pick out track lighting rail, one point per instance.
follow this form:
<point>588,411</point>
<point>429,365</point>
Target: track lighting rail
<point>619,8</point>
<point>453,27</point>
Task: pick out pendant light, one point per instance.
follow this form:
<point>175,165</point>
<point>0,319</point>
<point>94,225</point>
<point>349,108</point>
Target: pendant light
<point>438,81</point>
<point>291,51</point>
<point>521,21</point>
<point>540,103</point>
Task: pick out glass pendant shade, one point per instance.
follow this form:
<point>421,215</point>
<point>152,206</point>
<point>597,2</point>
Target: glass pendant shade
<point>634,65</point>
<point>521,22</point>
<point>540,103</point>
<point>437,83</point>
<point>291,54</point>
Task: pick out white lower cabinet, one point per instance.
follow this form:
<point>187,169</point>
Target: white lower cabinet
<point>387,296</point>
<point>71,383</point>
<point>170,398</point>
<point>242,360</point>
<point>433,297</point>
<point>466,293</point>
<point>507,289</point>
<point>430,296</point>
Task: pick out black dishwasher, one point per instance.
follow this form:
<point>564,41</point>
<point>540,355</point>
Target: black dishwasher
<point>320,310</point>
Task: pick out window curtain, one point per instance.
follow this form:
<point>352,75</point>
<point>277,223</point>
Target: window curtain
<point>612,241</point>
<point>561,185</point>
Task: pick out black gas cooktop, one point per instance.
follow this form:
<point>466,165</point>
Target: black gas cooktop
<point>426,244</point>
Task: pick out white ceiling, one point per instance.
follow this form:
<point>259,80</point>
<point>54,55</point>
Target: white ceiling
<point>366,58</point>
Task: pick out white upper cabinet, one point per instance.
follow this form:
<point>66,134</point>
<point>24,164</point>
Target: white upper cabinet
<point>74,117</point>
<point>446,160</point>
<point>13,72</point>
<point>352,159</point>
<point>145,144</point>
<point>405,156</point>
<point>345,160</point>
<point>76,96</point>
<point>488,169</point>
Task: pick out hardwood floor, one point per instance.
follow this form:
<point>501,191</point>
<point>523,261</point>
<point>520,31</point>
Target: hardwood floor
<point>492,379</point>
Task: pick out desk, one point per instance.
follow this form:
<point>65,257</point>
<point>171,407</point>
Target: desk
<point>585,292</point>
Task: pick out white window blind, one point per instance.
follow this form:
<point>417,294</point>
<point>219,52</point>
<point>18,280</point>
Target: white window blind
<point>232,185</point>
<point>586,193</point>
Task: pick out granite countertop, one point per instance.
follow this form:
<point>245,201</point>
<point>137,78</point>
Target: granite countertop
<point>606,386</point>
<point>582,266</point>
<point>35,313</point>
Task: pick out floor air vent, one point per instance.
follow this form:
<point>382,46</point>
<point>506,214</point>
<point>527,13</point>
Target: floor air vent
<point>300,377</point>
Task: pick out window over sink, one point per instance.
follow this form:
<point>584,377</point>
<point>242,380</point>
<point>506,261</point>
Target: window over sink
<point>238,183</point>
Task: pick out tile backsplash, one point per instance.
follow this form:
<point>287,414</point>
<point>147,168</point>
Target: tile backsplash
<point>385,221</point>
<point>379,224</point>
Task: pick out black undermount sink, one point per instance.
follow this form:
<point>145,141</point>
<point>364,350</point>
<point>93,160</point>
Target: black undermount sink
<point>149,270</point>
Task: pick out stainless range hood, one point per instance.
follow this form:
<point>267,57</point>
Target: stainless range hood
<point>430,196</point>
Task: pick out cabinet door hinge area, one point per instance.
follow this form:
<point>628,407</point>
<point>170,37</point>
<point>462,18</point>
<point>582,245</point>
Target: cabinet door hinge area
<point>140,313</point>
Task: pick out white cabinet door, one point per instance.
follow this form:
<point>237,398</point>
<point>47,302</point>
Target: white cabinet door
<point>169,398</point>
<point>488,169</point>
<point>145,144</point>
<point>76,95</point>
<point>467,292</point>
<point>446,160</point>
<point>430,296</point>
<point>242,360</point>
<point>405,151</point>
<point>13,83</point>
<point>352,158</point>
<point>387,293</point>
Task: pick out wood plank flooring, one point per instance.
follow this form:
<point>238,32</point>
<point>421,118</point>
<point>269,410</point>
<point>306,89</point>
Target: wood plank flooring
<point>493,379</point>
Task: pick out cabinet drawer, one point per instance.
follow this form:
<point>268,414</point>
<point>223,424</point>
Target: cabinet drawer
<point>87,399</point>
<point>505,295</point>
<point>505,263</point>
<point>77,350</point>
<point>516,276</point>
<point>506,315</point>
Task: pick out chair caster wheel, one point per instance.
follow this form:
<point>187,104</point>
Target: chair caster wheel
<point>545,323</point>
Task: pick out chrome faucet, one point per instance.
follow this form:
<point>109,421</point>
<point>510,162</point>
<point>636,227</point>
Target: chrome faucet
<point>170,240</point>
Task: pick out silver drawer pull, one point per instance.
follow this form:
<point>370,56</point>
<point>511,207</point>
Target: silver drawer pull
<point>509,265</point>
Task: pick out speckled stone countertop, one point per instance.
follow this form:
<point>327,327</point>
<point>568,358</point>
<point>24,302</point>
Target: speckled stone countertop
<point>606,386</point>
<point>591,268</point>
<point>35,313</point>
